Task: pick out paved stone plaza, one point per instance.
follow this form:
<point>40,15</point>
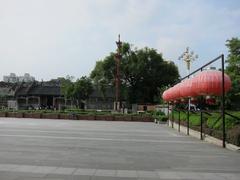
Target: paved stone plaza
<point>35,149</point>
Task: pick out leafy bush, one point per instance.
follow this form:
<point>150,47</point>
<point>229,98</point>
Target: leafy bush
<point>230,122</point>
<point>195,120</point>
<point>159,116</point>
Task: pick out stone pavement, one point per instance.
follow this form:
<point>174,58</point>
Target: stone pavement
<point>40,149</point>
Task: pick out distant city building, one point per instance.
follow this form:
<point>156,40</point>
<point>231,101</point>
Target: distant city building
<point>26,78</point>
<point>12,78</point>
<point>210,68</point>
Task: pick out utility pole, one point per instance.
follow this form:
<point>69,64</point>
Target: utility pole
<point>118,57</point>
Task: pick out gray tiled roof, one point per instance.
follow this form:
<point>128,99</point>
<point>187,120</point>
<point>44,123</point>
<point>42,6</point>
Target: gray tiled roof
<point>47,88</point>
<point>39,89</point>
<point>6,89</point>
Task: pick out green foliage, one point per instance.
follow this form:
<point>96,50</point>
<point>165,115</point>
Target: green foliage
<point>79,90</point>
<point>183,115</point>
<point>82,88</point>
<point>67,87</point>
<point>233,70</point>
<point>213,125</point>
<point>142,73</point>
<point>212,120</point>
<point>195,120</point>
<point>86,112</point>
<point>230,122</point>
<point>159,116</point>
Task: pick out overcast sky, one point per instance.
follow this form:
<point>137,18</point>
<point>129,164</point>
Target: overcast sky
<point>55,38</point>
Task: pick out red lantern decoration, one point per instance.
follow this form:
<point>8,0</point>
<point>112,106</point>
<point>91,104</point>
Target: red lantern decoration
<point>187,89</point>
<point>170,95</point>
<point>176,92</point>
<point>164,95</point>
<point>167,95</point>
<point>210,83</point>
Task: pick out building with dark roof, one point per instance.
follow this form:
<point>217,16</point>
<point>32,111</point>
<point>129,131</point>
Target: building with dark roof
<point>38,95</point>
<point>7,91</point>
<point>47,95</point>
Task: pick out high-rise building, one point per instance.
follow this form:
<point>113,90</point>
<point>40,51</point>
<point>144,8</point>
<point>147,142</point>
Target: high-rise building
<point>12,78</point>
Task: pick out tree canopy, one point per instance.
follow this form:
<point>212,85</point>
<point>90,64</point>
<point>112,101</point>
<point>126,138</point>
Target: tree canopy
<point>142,73</point>
<point>233,70</point>
<point>67,86</point>
<point>79,90</point>
<point>82,88</point>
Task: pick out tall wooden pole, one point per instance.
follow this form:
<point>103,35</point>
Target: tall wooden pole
<point>118,57</point>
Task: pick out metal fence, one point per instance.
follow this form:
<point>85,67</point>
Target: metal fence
<point>221,133</point>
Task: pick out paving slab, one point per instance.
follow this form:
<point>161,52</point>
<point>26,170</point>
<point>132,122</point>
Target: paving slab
<point>126,173</point>
<point>65,171</point>
<point>104,172</point>
<point>67,149</point>
<point>87,172</point>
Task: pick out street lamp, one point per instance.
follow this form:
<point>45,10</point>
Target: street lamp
<point>188,57</point>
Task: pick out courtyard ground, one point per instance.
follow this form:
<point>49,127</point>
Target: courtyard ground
<point>37,149</point>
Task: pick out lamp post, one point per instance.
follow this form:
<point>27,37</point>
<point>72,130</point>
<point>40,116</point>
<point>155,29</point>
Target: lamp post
<point>188,57</point>
<point>118,57</point>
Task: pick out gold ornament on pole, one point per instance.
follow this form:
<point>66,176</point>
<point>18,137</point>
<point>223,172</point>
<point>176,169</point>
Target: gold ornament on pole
<point>188,57</point>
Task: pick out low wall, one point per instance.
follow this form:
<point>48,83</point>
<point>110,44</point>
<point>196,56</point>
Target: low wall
<point>78,116</point>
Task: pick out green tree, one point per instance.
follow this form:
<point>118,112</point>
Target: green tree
<point>99,77</point>
<point>143,73</point>
<point>82,89</point>
<point>233,70</point>
<point>67,87</point>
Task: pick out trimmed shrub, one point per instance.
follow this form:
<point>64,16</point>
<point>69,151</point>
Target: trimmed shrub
<point>50,116</point>
<point>11,114</point>
<point>64,116</point>
<point>2,114</point>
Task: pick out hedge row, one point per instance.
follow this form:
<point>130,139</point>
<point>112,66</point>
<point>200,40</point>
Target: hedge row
<point>77,116</point>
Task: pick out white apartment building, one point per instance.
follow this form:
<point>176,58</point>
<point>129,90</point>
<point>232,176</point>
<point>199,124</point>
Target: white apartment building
<point>13,78</point>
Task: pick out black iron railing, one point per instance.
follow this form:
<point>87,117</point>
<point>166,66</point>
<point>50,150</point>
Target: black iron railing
<point>222,111</point>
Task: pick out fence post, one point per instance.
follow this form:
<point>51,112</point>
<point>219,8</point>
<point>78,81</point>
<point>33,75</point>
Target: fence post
<point>223,105</point>
<point>201,126</point>
<point>188,122</point>
<point>179,120</point>
<point>168,116</point>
